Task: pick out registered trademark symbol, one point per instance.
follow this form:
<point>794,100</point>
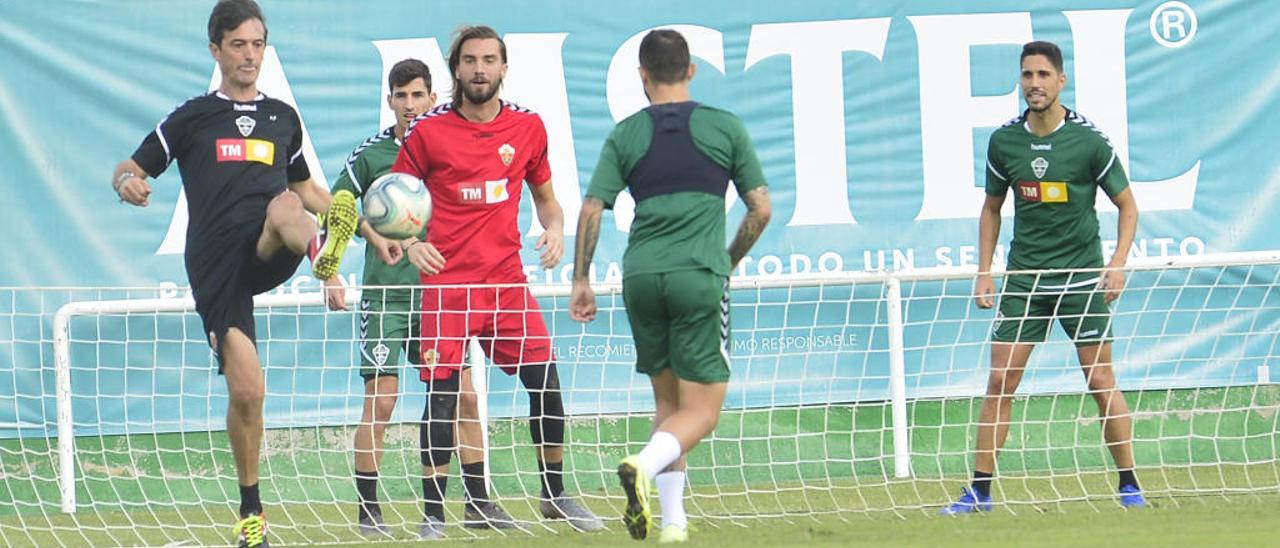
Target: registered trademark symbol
<point>1173,24</point>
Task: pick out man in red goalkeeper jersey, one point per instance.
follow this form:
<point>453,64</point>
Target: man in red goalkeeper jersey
<point>473,154</point>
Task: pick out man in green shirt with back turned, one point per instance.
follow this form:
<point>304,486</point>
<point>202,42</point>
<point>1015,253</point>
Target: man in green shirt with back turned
<point>676,157</point>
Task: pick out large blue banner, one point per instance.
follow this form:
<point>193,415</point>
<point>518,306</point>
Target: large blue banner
<point>870,118</point>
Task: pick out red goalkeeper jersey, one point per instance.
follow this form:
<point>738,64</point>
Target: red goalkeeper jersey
<point>474,172</point>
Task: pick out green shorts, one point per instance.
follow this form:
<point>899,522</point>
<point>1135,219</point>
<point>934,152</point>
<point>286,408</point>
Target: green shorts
<point>680,320</point>
<point>386,329</point>
<point>1027,306</point>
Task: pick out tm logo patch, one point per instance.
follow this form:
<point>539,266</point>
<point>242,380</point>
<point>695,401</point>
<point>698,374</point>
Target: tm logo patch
<point>1043,191</point>
<point>245,150</point>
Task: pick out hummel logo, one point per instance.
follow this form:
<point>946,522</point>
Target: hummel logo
<point>241,108</point>
<point>1041,146</point>
<point>1090,333</point>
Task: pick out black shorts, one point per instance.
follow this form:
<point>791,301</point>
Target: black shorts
<point>224,279</point>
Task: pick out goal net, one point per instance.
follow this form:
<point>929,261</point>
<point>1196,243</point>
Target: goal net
<point>851,393</point>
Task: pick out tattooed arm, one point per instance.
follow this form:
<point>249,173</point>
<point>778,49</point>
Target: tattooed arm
<point>582,302</point>
<point>588,236</point>
<point>758,212</point>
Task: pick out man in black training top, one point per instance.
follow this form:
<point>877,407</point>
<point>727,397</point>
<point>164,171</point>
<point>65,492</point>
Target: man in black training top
<point>248,190</point>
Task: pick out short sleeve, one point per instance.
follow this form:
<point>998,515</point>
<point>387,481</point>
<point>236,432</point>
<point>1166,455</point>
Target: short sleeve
<point>413,153</point>
<point>538,170</point>
<point>1107,170</point>
<point>608,179</point>
<point>746,171</point>
<point>997,180</point>
<point>297,169</point>
<point>163,144</point>
<point>348,179</point>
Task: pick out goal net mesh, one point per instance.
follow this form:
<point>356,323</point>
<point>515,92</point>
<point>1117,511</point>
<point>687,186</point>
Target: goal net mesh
<point>808,425</point>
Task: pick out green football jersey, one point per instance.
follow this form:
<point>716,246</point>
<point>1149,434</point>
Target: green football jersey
<point>679,224</point>
<point>373,159</point>
<point>1055,180</point>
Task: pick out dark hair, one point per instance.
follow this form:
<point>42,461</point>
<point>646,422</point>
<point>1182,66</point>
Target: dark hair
<point>407,71</point>
<point>1048,49</point>
<point>476,32</point>
<point>664,54</point>
<point>229,15</point>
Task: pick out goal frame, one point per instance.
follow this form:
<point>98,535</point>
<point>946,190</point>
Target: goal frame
<point>893,300</point>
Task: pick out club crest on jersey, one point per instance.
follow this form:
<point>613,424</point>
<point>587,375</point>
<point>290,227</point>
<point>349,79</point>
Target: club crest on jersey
<point>245,124</point>
<point>507,153</point>
<point>430,357</point>
<point>1039,166</point>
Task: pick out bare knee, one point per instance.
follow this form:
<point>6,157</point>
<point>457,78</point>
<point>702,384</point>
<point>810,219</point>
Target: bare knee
<point>1003,381</point>
<point>246,395</point>
<point>286,202</point>
<point>711,421</point>
<point>383,407</point>
<point>706,416</point>
<point>283,207</point>
<point>468,406</point>
<point>1100,378</point>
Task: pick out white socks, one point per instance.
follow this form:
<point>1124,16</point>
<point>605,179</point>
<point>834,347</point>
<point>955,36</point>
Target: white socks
<point>671,496</point>
<point>663,449</point>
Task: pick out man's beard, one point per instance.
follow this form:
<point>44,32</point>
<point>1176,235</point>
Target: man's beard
<point>1047,105</point>
<point>476,98</point>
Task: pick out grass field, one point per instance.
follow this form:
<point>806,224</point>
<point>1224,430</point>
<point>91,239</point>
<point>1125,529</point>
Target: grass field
<point>1243,520</point>
<point>812,476</point>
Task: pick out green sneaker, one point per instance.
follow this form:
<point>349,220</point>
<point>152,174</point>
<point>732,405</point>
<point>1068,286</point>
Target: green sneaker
<point>635,483</point>
<point>253,532</point>
<point>339,225</point>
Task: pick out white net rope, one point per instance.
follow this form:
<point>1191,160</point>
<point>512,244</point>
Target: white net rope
<point>808,427</point>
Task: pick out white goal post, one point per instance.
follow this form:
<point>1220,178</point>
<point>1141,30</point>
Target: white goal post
<point>913,353</point>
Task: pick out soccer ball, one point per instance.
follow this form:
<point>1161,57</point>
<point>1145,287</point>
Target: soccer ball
<point>397,206</point>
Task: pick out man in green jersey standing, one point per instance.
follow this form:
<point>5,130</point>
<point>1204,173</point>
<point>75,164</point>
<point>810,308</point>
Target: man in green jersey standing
<point>677,158</point>
<point>1055,160</point>
<point>388,318</point>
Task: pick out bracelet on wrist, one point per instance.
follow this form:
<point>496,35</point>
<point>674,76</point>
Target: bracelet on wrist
<point>120,179</point>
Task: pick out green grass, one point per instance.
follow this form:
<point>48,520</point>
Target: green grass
<point>820,476</point>
<point>1171,521</point>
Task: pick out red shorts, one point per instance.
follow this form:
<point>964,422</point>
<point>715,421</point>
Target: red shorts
<point>505,320</point>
